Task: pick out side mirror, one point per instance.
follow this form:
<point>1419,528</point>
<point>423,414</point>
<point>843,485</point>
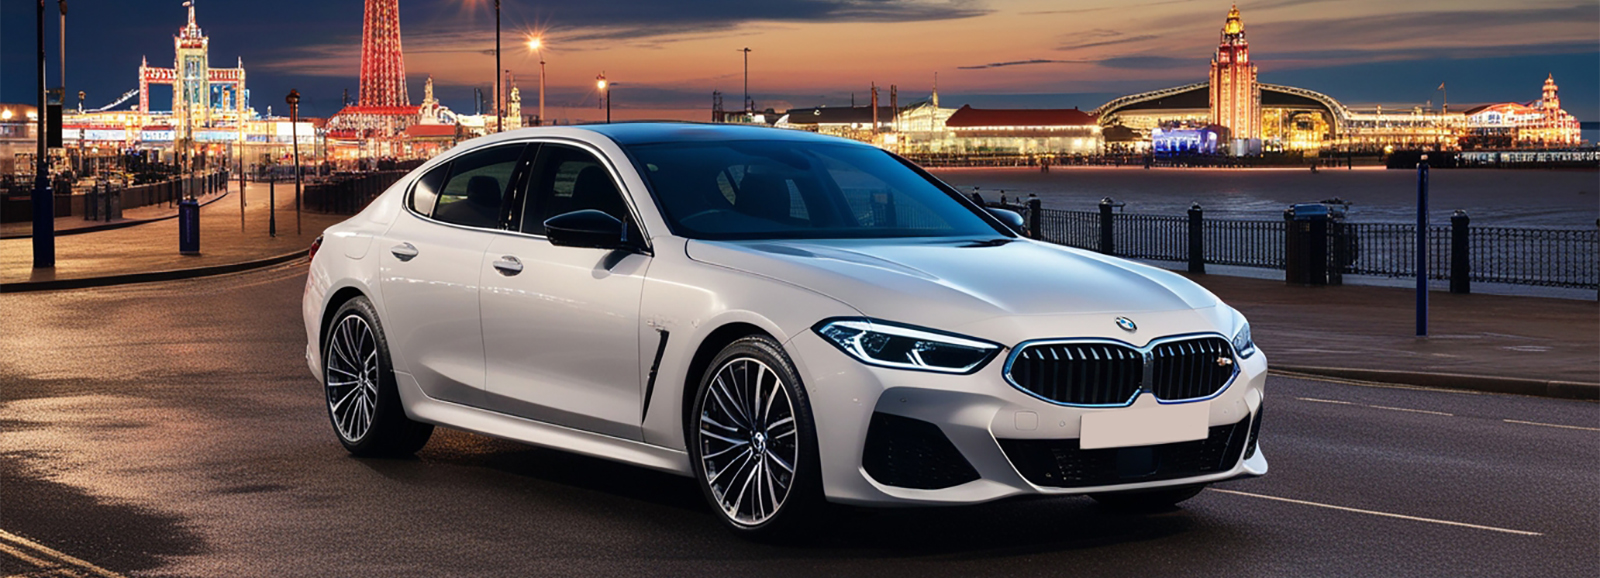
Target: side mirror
<point>586,228</point>
<point>1009,217</point>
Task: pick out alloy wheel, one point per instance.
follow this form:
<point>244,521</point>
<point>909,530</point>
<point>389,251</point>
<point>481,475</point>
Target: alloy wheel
<point>748,441</point>
<point>352,377</point>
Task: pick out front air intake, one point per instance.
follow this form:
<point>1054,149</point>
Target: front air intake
<point>911,453</point>
<point>1061,464</point>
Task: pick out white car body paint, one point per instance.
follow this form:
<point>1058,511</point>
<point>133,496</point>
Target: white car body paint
<point>560,355</point>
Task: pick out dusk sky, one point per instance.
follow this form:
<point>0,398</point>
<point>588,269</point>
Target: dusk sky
<point>667,57</point>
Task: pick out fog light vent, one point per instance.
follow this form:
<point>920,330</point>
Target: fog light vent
<point>911,453</point>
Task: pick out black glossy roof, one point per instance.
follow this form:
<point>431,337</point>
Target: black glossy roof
<point>632,133</point>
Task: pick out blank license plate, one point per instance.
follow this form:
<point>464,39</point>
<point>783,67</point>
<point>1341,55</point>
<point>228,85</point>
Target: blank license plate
<point>1166,424</point>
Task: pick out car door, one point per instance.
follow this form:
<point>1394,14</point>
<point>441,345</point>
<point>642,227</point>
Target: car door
<point>429,271</point>
<point>561,324</point>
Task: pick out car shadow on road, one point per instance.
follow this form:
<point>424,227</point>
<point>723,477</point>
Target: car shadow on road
<point>662,501</point>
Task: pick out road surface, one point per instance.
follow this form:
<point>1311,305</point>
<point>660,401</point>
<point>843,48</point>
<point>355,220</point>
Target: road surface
<point>173,429</point>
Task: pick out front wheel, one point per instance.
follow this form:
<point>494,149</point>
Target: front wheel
<point>363,400</point>
<point>752,441</point>
<point>1148,500</point>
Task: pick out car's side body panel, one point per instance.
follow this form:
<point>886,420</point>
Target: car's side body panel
<point>562,336</point>
<point>678,301</point>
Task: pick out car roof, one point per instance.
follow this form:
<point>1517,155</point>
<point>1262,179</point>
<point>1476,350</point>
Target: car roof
<point>635,133</point>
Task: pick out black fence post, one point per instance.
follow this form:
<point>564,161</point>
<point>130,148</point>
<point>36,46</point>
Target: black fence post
<point>1107,239</point>
<point>1197,240</point>
<point>1294,267</point>
<point>1033,218</point>
<point>1460,262</point>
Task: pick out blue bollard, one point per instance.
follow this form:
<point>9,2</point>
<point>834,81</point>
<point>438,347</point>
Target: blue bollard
<point>189,227</point>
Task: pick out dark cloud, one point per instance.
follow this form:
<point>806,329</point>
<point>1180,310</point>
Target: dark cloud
<point>1019,63</point>
<point>1442,28</point>
<point>1114,41</point>
<point>637,19</point>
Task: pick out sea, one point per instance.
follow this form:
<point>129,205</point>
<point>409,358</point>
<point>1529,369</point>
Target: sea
<point>1539,198</point>
<point>1525,198</point>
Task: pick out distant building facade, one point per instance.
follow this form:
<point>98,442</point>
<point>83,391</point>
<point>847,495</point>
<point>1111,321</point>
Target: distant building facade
<point>1285,118</point>
<point>1235,97</point>
<point>1024,131</point>
<point>1542,123</point>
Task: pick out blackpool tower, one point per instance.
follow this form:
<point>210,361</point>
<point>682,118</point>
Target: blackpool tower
<point>383,66</point>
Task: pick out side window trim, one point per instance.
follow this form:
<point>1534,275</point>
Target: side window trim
<point>519,176</point>
<point>511,206</point>
<point>635,221</point>
<point>411,193</point>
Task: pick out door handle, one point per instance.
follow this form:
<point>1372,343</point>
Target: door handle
<point>508,265</point>
<point>404,251</point>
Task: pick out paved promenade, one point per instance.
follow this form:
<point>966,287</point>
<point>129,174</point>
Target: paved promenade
<point>154,246</point>
<point>76,224</point>
<point>1374,328</point>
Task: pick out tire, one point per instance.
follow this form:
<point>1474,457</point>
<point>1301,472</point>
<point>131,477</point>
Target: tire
<point>358,380</point>
<point>749,494</point>
<point>1148,500</point>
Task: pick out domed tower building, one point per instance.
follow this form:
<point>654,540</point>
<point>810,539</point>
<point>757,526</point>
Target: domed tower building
<point>1235,96</point>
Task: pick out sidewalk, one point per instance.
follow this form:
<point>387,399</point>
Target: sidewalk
<point>76,224</point>
<point>153,247</point>
<point>1372,330</point>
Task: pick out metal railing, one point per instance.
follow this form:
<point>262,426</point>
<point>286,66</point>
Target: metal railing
<point>1457,252</point>
<point>348,193</point>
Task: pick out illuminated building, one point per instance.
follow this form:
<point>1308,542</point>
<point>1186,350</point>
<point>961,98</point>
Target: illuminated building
<point>852,122</point>
<point>211,109</point>
<point>1235,98</point>
<point>1286,118</point>
<point>1024,131</point>
<point>1541,123</point>
<point>199,91</point>
<point>383,110</point>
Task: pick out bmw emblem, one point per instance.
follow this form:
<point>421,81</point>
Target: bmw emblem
<point>1126,324</point>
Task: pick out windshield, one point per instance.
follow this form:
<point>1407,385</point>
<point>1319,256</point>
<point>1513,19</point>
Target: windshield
<point>795,190</point>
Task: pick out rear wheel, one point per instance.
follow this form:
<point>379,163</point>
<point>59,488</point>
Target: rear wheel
<point>752,441</point>
<point>363,401</point>
<point>1148,500</point>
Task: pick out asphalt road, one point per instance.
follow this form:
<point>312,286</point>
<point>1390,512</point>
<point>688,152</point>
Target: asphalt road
<point>173,429</point>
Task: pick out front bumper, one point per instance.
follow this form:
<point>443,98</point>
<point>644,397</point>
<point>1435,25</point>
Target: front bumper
<point>975,412</point>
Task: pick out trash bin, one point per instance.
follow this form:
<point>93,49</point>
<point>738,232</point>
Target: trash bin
<point>189,227</point>
<point>113,204</point>
<point>1305,252</point>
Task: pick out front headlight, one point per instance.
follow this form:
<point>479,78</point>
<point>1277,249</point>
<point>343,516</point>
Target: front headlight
<point>1242,342</point>
<point>904,347</point>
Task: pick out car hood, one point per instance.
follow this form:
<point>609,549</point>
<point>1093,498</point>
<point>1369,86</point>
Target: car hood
<point>953,282</point>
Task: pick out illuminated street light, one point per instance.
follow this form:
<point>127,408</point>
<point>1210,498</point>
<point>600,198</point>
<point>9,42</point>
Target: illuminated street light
<point>536,44</point>
<point>605,93</point>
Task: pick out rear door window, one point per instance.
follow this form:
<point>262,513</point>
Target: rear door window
<point>474,193</point>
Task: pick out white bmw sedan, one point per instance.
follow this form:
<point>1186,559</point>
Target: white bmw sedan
<point>790,319</point>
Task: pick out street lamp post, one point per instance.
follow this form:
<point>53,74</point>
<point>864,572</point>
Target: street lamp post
<point>747,106</point>
<point>499,93</point>
<point>537,44</point>
<point>605,94</point>
<point>294,137</point>
<point>44,234</point>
